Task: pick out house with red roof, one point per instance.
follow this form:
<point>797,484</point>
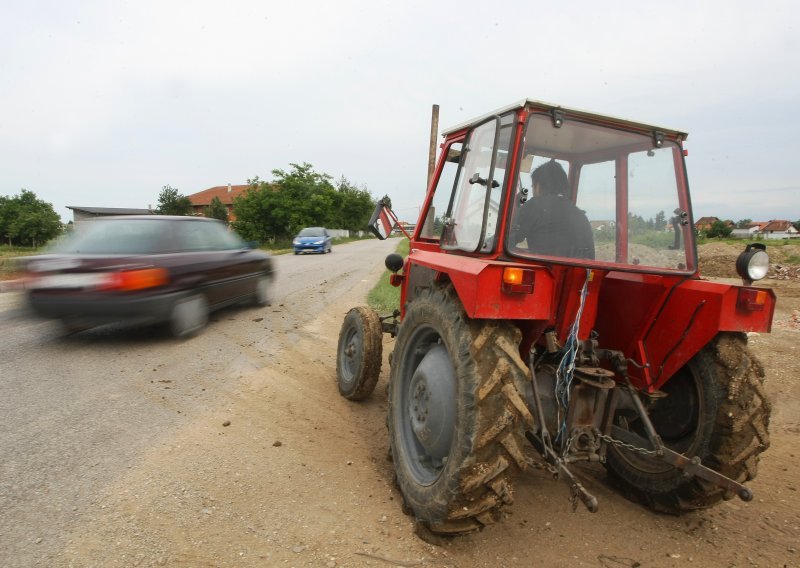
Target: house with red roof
<point>225,193</point>
<point>705,223</point>
<point>780,229</point>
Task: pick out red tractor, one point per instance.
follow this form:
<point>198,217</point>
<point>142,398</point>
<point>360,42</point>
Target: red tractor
<point>552,308</point>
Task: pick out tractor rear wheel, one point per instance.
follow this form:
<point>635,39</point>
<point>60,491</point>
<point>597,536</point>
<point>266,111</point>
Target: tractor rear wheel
<point>456,415</point>
<point>715,409</point>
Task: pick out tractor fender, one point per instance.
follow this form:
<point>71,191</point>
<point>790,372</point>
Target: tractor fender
<point>479,285</point>
<point>692,315</point>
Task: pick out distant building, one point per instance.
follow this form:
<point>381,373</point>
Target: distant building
<point>602,225</point>
<point>85,213</point>
<point>780,229</point>
<point>225,193</point>
<point>704,223</point>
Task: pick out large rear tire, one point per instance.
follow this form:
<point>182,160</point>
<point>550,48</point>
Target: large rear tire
<point>456,413</point>
<point>359,353</point>
<point>717,410</point>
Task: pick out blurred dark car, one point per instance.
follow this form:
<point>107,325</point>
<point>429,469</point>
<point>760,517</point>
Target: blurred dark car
<point>313,239</point>
<point>146,269</point>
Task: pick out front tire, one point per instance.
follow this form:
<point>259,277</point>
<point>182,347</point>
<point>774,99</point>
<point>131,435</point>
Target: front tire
<point>455,413</point>
<point>359,353</point>
<point>717,410</point>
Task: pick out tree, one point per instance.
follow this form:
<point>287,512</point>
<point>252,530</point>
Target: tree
<point>300,197</point>
<point>355,206</point>
<point>216,210</point>
<point>743,223</point>
<point>28,221</point>
<point>171,202</point>
<point>719,229</point>
<point>660,221</point>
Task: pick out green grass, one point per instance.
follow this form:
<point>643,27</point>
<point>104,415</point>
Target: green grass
<point>9,267</point>
<point>385,298</point>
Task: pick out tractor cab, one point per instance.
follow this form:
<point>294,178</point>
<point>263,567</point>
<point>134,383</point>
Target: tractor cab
<point>612,193</point>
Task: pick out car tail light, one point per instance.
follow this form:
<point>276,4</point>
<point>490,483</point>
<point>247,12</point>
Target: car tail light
<point>130,280</point>
<point>751,300</point>
<point>518,280</point>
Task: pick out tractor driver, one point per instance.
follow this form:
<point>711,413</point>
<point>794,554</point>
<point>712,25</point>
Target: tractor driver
<point>550,222</point>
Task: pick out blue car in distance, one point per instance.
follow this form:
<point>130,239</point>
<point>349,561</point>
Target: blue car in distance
<point>313,239</point>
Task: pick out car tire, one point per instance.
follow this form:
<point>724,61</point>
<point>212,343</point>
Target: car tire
<point>262,295</point>
<point>74,325</point>
<point>189,315</point>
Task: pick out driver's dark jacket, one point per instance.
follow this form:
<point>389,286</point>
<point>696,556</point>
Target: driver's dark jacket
<point>554,226</point>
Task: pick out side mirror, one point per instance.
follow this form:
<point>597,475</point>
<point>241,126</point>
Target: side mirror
<point>394,262</point>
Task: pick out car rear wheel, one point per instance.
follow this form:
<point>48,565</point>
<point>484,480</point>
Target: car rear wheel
<point>189,316</point>
<point>262,296</point>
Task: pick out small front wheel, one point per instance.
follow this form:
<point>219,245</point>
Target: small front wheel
<point>359,354</point>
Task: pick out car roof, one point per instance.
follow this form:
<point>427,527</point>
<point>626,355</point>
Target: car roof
<point>158,218</point>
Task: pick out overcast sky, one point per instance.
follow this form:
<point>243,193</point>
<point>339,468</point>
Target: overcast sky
<point>102,103</point>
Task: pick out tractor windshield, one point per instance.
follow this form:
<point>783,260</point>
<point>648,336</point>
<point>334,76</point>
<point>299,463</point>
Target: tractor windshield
<point>601,195</point>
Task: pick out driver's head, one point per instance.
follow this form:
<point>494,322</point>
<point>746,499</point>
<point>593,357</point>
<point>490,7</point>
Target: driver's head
<point>550,179</point>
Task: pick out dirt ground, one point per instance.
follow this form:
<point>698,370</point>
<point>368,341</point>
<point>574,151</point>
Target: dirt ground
<point>300,477</point>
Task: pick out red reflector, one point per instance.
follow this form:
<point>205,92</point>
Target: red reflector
<point>518,280</point>
<point>751,300</point>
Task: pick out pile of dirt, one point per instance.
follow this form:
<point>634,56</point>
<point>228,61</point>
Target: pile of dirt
<point>718,260</point>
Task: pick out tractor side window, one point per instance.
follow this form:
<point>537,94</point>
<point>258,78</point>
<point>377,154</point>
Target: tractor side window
<point>432,227</point>
<point>499,177</point>
<point>472,216</point>
<point>464,221</point>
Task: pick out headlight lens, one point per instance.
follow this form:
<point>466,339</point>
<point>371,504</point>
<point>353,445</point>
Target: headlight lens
<point>296,242</point>
<point>753,263</point>
<point>759,265</point>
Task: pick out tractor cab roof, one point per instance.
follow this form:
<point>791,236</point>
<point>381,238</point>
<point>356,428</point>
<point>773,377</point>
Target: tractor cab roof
<point>532,104</point>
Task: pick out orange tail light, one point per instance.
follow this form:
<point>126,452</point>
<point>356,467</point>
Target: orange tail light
<point>518,280</point>
<point>131,280</point>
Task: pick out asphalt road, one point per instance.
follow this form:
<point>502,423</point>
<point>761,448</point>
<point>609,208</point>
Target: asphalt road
<point>79,411</point>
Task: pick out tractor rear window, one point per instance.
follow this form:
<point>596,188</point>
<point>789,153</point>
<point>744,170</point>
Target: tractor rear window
<point>602,195</point>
